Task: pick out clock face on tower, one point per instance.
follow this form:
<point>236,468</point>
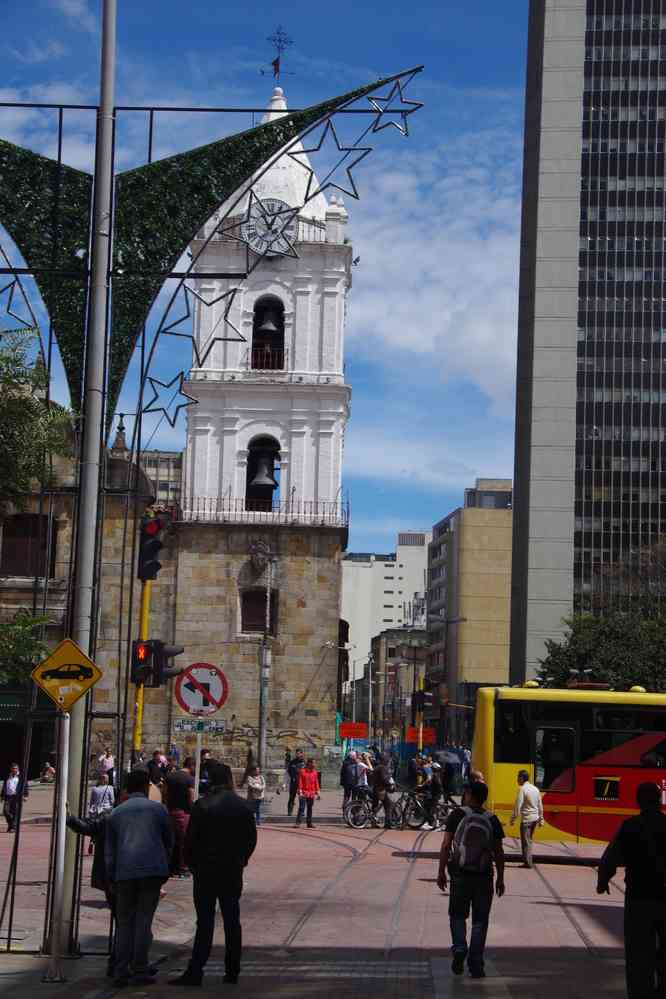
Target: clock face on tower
<point>270,227</point>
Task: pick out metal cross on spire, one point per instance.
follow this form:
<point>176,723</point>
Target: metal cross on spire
<point>280,41</point>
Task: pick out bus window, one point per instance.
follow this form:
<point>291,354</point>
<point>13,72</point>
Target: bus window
<point>555,759</point>
<point>512,737</point>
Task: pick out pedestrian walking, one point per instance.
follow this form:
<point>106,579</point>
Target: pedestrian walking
<point>308,790</point>
<point>472,843</point>
<point>382,786</point>
<point>157,768</point>
<point>179,798</point>
<point>137,848</point>
<point>14,788</point>
<point>256,789</point>
<point>349,773</point>
<point>94,826</point>
<point>640,847</point>
<point>295,766</point>
<point>102,800</point>
<point>106,764</point>
<point>221,838</point>
<point>529,808</point>
<point>434,790</point>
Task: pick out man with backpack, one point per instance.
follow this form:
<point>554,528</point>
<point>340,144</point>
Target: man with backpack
<point>640,847</point>
<point>472,843</point>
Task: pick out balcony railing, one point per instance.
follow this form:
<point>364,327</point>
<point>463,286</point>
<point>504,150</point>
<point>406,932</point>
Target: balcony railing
<point>221,509</point>
<point>265,359</point>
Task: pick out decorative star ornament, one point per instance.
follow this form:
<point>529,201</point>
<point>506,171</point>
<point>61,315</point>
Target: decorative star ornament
<point>152,408</point>
<point>27,323</point>
<point>402,107</point>
<point>352,156</point>
<point>188,293</point>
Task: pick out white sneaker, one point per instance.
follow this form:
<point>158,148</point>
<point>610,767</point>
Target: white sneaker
<point>427,827</point>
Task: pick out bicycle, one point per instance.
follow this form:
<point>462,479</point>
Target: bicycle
<point>410,811</point>
<point>358,810</point>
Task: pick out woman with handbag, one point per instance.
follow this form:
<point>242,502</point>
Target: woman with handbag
<point>102,800</point>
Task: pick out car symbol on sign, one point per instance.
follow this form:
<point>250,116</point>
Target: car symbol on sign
<point>68,671</point>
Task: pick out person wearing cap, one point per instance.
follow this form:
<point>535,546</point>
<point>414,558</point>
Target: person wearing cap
<point>220,839</point>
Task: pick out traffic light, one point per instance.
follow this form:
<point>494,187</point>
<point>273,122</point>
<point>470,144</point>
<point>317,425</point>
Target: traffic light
<point>161,671</point>
<point>142,661</point>
<point>149,546</point>
<point>422,699</point>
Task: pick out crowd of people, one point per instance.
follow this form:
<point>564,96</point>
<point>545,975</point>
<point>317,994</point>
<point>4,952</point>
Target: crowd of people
<point>153,828</point>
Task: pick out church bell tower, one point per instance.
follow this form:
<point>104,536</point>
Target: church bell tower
<point>263,523</point>
<point>267,434</point>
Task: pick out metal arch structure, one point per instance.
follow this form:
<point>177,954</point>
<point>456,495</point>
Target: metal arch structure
<point>178,196</point>
<point>45,207</point>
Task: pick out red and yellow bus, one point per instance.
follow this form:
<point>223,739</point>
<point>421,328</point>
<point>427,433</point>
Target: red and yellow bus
<point>586,750</point>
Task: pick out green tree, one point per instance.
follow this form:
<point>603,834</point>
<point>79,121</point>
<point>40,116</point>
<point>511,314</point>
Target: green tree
<point>624,647</point>
<point>31,431</point>
<point>21,646</point>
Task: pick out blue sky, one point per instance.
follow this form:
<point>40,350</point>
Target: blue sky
<point>432,313</point>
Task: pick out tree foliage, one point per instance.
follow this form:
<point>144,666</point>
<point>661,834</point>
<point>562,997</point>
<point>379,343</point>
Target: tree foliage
<point>21,646</point>
<point>624,647</point>
<point>30,431</point>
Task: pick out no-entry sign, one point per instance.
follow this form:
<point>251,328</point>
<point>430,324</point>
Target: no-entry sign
<point>202,689</point>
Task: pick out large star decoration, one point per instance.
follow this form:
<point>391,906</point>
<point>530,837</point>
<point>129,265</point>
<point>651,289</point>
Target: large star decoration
<point>385,106</point>
<point>354,153</point>
<point>152,408</point>
<point>188,292</point>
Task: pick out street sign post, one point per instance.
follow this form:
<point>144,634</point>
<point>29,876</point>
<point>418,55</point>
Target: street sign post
<point>201,690</point>
<point>66,674</point>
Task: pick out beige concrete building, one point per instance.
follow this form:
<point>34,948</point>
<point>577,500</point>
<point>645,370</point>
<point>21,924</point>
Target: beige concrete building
<point>469,580</point>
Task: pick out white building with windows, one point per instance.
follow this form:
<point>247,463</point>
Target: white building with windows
<point>381,591</point>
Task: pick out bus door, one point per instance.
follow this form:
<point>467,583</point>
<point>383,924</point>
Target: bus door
<point>555,753</point>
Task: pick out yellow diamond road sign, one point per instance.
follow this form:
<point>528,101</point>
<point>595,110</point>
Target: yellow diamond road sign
<point>66,674</point>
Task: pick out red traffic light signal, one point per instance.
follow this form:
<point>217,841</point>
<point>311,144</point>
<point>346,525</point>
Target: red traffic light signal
<point>142,661</point>
<point>149,547</point>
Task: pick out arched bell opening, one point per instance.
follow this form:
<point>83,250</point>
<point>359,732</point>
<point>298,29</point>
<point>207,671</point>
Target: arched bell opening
<point>262,491</point>
<point>268,335</point>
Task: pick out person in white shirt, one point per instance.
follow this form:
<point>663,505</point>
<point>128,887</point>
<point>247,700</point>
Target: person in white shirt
<point>530,809</point>
<point>107,765</point>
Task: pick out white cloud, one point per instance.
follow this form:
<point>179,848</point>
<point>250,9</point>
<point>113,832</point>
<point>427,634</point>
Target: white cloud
<point>450,460</point>
<point>78,12</point>
<point>438,236</point>
<point>32,53</point>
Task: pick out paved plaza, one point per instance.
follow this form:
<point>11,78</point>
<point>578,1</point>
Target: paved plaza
<point>337,912</point>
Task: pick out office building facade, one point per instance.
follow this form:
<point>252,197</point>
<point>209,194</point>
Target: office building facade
<point>590,473</point>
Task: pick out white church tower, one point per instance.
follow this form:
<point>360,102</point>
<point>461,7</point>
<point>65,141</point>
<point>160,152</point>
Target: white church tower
<point>268,432</point>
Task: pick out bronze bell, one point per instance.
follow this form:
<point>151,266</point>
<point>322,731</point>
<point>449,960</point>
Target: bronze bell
<point>264,473</point>
<point>269,323</point>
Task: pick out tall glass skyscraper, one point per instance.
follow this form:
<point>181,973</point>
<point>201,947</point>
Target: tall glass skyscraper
<point>590,476</point>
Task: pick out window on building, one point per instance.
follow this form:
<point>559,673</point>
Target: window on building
<point>389,591</point>
<point>267,353</point>
<point>390,651</point>
<point>262,490</point>
<point>25,546</point>
<point>388,606</point>
<point>253,611</point>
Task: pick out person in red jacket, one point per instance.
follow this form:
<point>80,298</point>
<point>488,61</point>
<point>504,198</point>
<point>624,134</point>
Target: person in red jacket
<point>308,790</point>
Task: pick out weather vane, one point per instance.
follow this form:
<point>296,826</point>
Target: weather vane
<point>280,41</point>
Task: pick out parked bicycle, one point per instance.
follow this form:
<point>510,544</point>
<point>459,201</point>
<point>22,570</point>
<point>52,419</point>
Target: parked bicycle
<point>409,811</point>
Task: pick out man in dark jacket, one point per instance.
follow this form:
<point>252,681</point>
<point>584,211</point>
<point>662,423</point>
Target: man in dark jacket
<point>293,769</point>
<point>348,776</point>
<point>13,792</point>
<point>220,840</point>
<point>382,785</point>
<point>137,849</point>
<point>640,846</point>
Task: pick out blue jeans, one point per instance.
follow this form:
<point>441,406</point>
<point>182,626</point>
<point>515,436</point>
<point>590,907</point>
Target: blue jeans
<point>475,892</point>
<point>255,805</point>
